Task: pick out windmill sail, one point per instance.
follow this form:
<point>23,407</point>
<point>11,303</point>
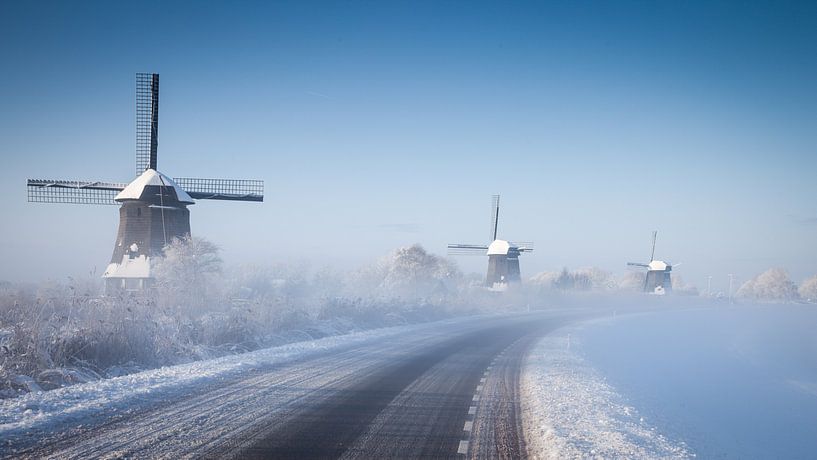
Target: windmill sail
<point>467,249</point>
<point>222,189</point>
<point>147,121</point>
<point>72,191</point>
<point>522,246</point>
<point>494,216</point>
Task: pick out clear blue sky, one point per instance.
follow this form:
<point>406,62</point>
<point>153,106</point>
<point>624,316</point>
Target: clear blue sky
<point>380,124</point>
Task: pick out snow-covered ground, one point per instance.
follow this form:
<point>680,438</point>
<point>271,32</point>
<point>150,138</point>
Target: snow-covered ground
<point>84,403</point>
<point>570,411</point>
<point>714,383</point>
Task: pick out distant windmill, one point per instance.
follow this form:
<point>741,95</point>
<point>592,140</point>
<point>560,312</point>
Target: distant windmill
<point>153,207</point>
<point>503,256</point>
<point>658,279</point>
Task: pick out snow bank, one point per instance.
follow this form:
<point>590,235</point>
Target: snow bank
<point>569,411</point>
<point>42,411</point>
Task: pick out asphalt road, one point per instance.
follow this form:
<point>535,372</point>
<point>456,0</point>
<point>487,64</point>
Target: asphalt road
<point>448,391</point>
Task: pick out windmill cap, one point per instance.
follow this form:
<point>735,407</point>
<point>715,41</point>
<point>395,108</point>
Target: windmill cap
<point>136,190</point>
<point>658,265</point>
<point>499,247</point>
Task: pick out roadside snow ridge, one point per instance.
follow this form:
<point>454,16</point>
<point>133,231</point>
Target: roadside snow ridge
<point>569,411</point>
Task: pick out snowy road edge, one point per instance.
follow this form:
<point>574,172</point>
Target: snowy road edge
<point>45,411</point>
<point>569,411</point>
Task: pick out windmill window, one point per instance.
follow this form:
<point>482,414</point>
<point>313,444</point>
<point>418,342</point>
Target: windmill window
<point>138,212</point>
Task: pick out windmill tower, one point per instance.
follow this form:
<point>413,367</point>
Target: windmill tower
<point>153,207</point>
<point>658,279</point>
<point>503,256</point>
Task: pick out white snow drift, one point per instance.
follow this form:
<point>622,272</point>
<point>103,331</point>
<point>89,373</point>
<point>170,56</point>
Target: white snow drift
<point>569,411</point>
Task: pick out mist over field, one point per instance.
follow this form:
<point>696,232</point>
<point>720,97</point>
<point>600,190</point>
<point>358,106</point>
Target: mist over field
<point>60,333</point>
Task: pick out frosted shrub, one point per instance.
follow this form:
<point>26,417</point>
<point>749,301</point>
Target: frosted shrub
<point>409,273</point>
<point>188,273</point>
<point>582,279</point>
<point>599,279</point>
<point>772,285</point>
<point>679,286</point>
<point>545,279</point>
<point>633,281</point>
<point>808,290</point>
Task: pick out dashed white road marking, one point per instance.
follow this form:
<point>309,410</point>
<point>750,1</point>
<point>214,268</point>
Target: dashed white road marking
<point>482,380</point>
<point>463,449</point>
<point>472,410</point>
<point>479,388</point>
<point>476,398</point>
<point>469,425</point>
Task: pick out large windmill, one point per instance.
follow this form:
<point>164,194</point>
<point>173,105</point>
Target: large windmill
<point>153,207</point>
<point>503,256</point>
<point>658,279</point>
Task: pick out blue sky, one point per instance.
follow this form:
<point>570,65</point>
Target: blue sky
<point>380,124</point>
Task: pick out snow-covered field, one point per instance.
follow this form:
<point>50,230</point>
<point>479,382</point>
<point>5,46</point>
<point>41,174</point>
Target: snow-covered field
<point>713,383</point>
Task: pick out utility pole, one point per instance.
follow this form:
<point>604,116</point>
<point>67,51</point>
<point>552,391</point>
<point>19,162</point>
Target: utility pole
<point>709,286</point>
<point>731,279</point>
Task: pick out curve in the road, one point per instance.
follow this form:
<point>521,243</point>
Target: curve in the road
<point>448,391</point>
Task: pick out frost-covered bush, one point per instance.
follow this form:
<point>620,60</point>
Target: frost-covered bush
<point>409,273</point>
<point>633,281</point>
<point>60,334</point>
<point>188,273</point>
<point>599,279</point>
<point>545,279</point>
<point>808,290</point>
<point>679,286</point>
<point>582,279</point>
<point>772,285</point>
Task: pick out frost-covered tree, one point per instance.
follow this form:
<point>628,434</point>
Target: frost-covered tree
<point>599,279</point>
<point>808,290</point>
<point>582,279</point>
<point>679,286</point>
<point>632,281</point>
<point>409,272</point>
<point>187,275</point>
<point>772,285</point>
<point>568,281</point>
<point>251,282</point>
<point>545,279</point>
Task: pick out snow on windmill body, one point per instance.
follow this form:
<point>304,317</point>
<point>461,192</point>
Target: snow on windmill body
<point>153,207</point>
<point>503,255</point>
<point>659,273</point>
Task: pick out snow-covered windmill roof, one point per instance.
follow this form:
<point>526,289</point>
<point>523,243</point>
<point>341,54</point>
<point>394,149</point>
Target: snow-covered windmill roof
<point>658,265</point>
<point>135,190</point>
<point>499,247</point>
